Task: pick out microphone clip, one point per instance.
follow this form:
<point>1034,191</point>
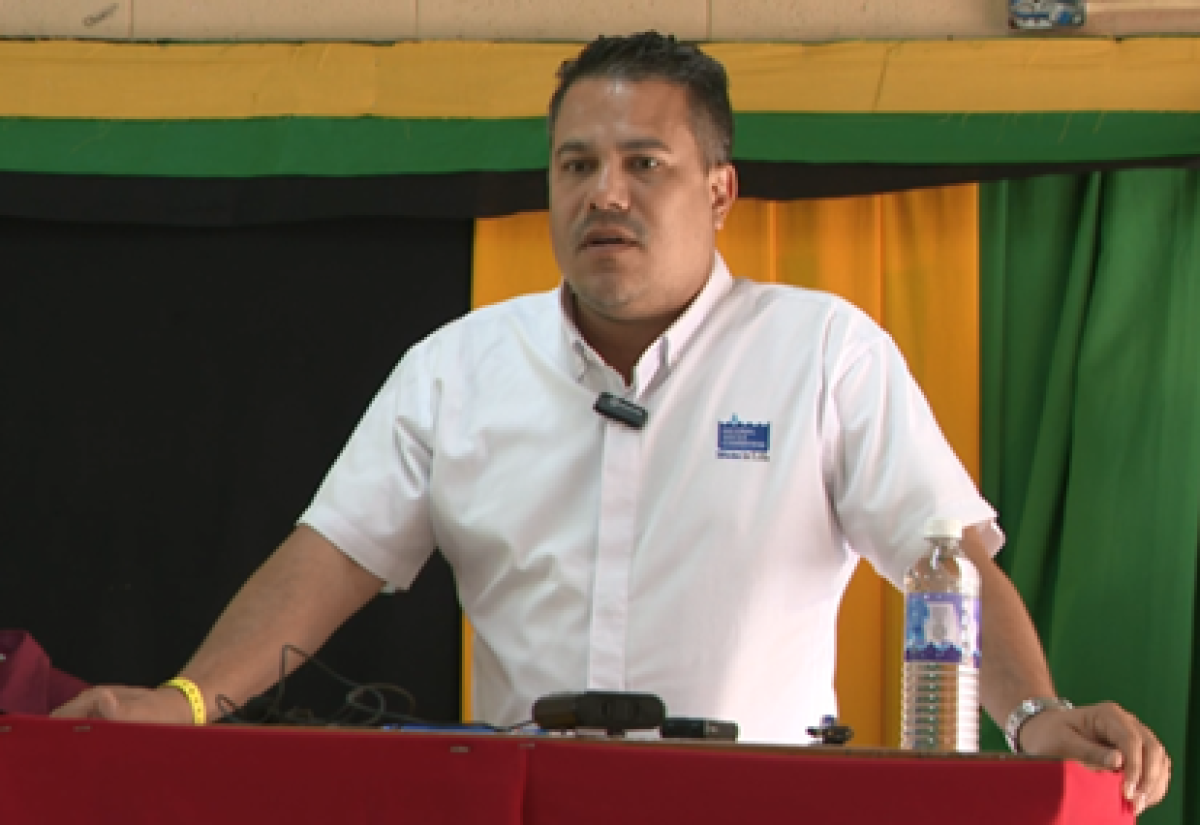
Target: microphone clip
<point>618,409</point>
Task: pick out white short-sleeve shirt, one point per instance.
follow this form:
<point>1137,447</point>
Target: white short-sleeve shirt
<point>701,558</point>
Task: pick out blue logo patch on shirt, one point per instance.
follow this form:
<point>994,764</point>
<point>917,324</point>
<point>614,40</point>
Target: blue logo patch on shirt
<point>745,440</point>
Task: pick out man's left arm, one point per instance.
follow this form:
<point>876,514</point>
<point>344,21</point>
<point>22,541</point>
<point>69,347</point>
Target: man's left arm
<point>1014,669</point>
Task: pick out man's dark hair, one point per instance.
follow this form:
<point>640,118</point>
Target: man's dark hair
<point>652,56</point>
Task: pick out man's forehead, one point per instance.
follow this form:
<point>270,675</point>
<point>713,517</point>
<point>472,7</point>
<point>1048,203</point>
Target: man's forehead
<point>633,113</point>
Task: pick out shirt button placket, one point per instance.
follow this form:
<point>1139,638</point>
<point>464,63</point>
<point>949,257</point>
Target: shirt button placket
<point>619,481</point>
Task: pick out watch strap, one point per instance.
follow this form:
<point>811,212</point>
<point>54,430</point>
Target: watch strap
<point>1025,711</point>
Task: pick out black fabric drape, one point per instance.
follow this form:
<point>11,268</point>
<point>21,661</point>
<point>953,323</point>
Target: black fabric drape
<point>172,397</point>
<point>467,195</point>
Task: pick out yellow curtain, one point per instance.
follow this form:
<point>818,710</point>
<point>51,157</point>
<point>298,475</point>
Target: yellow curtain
<point>908,259</point>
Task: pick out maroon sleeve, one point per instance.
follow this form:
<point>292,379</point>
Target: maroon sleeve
<point>28,684</point>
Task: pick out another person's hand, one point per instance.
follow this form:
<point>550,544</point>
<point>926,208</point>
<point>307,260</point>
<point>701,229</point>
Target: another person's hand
<point>1104,736</point>
<point>128,704</point>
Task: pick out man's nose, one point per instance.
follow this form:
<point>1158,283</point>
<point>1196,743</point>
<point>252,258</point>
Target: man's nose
<point>610,191</point>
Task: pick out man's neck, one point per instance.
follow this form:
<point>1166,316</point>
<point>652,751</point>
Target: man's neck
<point>620,343</point>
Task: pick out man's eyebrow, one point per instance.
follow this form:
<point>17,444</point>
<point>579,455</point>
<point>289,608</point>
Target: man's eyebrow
<point>572,147</point>
<point>632,145</point>
<point>635,144</point>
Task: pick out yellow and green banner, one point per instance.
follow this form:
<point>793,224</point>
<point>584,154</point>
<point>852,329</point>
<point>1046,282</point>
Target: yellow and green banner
<point>430,108</point>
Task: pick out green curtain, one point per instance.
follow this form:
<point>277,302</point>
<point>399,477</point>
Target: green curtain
<point>1090,325</point>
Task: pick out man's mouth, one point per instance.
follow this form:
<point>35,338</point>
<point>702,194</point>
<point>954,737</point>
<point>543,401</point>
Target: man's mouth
<point>603,238</point>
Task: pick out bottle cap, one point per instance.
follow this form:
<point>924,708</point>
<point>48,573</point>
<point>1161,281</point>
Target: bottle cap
<point>943,528</point>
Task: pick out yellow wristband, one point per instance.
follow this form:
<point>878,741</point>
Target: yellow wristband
<point>195,699</point>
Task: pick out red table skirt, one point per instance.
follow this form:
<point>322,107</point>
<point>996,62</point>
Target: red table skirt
<point>58,771</point>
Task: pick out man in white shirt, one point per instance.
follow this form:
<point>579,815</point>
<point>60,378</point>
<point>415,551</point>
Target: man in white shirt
<point>701,556</point>
<point>700,553</point>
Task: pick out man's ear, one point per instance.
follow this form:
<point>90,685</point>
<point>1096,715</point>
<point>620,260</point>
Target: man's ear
<point>723,190</point>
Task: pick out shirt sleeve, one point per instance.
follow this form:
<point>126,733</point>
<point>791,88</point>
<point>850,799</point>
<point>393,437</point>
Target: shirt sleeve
<point>374,502</point>
<point>890,465</point>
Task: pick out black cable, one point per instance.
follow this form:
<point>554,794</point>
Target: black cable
<point>365,700</point>
<point>228,708</point>
<point>376,714</point>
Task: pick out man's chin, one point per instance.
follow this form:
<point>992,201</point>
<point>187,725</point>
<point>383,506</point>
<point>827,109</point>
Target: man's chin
<point>624,263</point>
<point>610,300</point>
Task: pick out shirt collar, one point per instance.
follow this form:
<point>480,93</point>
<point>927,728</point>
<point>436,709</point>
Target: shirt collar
<point>677,336</point>
<point>666,350</point>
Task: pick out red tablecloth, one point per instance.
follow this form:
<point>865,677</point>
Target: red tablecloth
<point>56,771</point>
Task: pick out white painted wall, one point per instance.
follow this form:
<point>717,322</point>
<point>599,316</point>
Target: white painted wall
<point>388,20</point>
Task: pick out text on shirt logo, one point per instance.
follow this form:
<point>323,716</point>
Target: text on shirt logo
<point>744,440</point>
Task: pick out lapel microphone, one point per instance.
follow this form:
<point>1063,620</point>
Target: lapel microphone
<point>620,410</point>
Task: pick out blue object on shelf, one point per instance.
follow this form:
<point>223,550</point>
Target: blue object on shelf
<point>1043,15</point>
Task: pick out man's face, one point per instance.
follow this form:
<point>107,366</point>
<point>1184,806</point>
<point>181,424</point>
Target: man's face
<point>633,210</point>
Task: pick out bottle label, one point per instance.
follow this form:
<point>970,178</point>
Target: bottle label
<point>941,628</point>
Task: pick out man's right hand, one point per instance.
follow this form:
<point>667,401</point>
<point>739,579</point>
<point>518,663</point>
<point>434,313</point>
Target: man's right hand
<point>303,592</point>
<point>129,704</point>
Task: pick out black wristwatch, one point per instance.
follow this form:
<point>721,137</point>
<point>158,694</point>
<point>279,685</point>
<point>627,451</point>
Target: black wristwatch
<point>1026,711</point>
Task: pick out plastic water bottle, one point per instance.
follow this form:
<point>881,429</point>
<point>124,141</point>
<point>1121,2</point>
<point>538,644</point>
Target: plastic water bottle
<point>940,690</point>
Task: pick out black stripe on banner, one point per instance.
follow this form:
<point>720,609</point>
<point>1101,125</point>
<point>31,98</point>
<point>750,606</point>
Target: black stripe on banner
<point>468,195</point>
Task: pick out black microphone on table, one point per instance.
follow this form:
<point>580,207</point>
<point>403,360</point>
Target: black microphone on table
<point>618,712</point>
<point>617,409</point>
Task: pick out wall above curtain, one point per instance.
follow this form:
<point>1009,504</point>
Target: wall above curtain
<point>386,20</point>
